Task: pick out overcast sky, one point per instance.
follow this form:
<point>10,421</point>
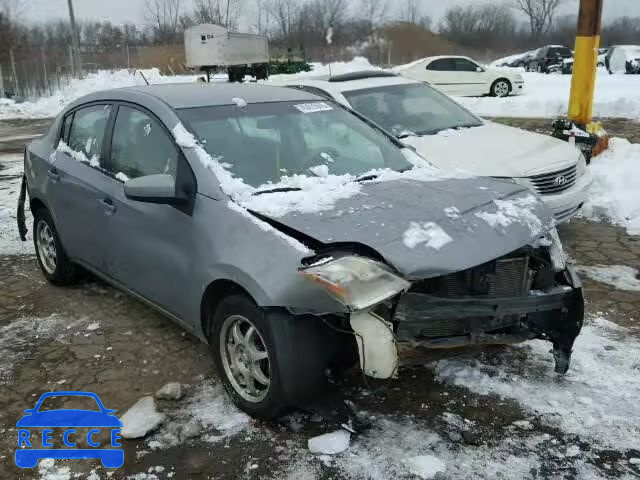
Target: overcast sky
<point>120,11</point>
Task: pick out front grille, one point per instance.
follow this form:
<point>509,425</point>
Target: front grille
<point>503,278</point>
<point>555,182</point>
<point>564,215</point>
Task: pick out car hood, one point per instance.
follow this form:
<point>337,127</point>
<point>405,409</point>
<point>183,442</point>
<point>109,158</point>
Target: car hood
<point>407,222</point>
<point>495,150</point>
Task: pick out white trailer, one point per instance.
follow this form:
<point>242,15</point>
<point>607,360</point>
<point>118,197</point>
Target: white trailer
<point>212,48</point>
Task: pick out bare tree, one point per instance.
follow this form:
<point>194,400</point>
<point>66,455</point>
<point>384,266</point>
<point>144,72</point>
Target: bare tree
<point>487,24</point>
<point>374,12</point>
<point>540,14</point>
<point>410,11</point>
<point>284,13</point>
<point>261,24</point>
<point>164,16</point>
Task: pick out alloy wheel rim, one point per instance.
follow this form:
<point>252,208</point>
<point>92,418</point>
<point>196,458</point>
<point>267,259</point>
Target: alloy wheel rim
<point>46,247</point>
<point>501,89</point>
<point>245,358</point>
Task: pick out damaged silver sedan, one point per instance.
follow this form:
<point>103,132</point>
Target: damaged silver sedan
<point>291,235</point>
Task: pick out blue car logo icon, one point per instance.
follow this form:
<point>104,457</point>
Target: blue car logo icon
<point>28,452</point>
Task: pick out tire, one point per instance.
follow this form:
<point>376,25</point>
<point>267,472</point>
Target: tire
<point>281,357</point>
<point>53,261</point>
<point>500,88</point>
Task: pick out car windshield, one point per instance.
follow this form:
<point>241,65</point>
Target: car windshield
<point>261,143</point>
<point>410,109</point>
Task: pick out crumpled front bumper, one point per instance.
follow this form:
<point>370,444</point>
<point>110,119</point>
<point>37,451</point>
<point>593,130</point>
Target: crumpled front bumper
<point>555,315</point>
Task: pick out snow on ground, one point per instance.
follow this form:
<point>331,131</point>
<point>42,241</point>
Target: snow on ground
<point>615,192</point>
<point>548,96</point>
<point>621,277</point>
<point>104,80</point>
<point>10,242</point>
<point>596,400</point>
<point>19,337</point>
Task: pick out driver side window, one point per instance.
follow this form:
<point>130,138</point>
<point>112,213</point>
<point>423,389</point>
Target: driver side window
<point>140,146</point>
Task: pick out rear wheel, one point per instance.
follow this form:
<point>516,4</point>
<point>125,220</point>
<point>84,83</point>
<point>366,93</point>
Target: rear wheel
<point>53,261</point>
<point>501,88</point>
<point>268,360</point>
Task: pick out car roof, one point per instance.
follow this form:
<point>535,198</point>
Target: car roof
<point>189,95</point>
<point>359,83</point>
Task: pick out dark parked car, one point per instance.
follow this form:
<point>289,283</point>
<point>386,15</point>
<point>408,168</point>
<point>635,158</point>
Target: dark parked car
<point>550,59</point>
<point>281,227</point>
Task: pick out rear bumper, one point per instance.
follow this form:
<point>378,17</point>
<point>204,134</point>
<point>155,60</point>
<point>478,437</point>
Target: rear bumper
<point>518,88</point>
<point>555,315</point>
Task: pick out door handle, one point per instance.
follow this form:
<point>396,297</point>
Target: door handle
<point>108,205</point>
<point>53,174</point>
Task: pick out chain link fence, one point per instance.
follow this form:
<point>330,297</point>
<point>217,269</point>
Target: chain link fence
<point>29,74</point>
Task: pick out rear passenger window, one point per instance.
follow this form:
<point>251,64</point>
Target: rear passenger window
<point>441,65</point>
<point>140,146</point>
<point>87,131</point>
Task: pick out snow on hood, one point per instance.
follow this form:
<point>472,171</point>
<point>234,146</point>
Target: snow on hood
<point>495,150</point>
<point>415,228</point>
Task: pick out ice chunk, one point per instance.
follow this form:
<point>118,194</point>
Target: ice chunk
<point>330,443</point>
<point>425,466</point>
<point>141,418</point>
<point>171,391</point>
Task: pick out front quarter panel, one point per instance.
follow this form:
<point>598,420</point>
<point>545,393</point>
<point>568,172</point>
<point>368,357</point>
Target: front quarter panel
<point>238,247</point>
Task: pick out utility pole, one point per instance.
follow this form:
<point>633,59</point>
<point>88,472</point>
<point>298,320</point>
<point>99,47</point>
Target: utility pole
<point>593,139</point>
<point>75,40</point>
<point>583,83</point>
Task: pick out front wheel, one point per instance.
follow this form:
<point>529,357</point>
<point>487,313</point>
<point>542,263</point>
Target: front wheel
<point>53,261</point>
<point>268,360</point>
<point>500,88</point>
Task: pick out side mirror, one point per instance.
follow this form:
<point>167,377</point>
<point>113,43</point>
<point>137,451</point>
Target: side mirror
<point>159,188</point>
<point>479,69</point>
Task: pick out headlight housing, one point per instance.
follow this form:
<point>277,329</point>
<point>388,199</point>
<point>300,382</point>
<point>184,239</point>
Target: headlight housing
<point>357,282</point>
<point>556,252</point>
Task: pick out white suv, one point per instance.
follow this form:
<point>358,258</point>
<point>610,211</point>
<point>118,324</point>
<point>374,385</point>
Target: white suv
<point>451,137</point>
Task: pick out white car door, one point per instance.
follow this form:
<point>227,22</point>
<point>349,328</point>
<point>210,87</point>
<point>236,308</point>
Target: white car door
<point>471,78</point>
<point>439,73</point>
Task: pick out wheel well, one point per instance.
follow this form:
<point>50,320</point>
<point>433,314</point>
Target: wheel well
<point>37,204</point>
<point>213,295</point>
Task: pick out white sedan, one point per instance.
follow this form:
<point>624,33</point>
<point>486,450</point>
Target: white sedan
<point>452,138</point>
<point>461,76</point>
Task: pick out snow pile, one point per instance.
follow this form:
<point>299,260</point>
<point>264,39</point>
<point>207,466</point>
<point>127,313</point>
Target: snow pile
<point>103,80</point>
<point>596,400</point>
<point>510,211</point>
<point>615,191</point>
<point>428,233</point>
<point>141,418</point>
<point>620,276</point>
<point>320,69</point>
<point>548,96</point>
<point>10,243</point>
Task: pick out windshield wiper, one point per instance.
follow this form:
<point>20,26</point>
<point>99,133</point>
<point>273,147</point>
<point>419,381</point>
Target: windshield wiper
<point>405,135</point>
<point>278,190</point>
<point>366,178</point>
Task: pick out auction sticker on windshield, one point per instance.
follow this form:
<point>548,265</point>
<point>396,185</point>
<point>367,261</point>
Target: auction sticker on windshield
<point>91,431</point>
<point>314,107</point>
